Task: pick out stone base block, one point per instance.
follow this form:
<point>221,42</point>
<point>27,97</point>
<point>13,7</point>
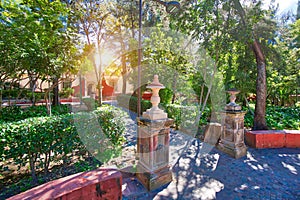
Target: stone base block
<point>212,133</point>
<point>235,152</point>
<point>154,180</point>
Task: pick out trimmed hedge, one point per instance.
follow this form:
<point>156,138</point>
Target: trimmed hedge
<point>42,140</point>
<point>16,113</point>
<point>22,94</point>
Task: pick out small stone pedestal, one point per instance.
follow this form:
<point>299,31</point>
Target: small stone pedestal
<point>232,135</point>
<point>153,168</point>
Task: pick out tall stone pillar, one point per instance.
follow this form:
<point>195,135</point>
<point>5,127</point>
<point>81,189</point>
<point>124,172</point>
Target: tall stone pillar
<point>232,135</point>
<point>153,168</point>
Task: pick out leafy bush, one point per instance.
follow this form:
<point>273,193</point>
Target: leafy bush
<point>41,140</point>
<point>130,102</point>
<point>66,92</point>
<point>16,113</point>
<point>37,140</point>
<point>21,93</point>
<point>13,93</point>
<point>90,103</point>
<point>279,118</point>
<point>185,116</point>
<point>165,95</point>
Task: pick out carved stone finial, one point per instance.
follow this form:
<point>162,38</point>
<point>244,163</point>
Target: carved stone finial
<point>155,83</point>
<point>155,113</point>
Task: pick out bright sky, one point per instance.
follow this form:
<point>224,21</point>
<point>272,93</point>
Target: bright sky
<point>284,5</point>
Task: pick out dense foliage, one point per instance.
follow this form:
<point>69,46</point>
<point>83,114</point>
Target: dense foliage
<point>16,113</point>
<point>130,102</point>
<point>185,116</point>
<point>39,141</point>
<point>37,42</point>
<point>90,103</point>
<point>279,118</point>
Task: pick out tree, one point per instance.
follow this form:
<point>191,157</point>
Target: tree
<point>259,122</point>
<point>42,37</point>
<point>123,31</point>
<point>234,35</point>
<point>93,20</point>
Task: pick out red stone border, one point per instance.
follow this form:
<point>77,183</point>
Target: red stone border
<point>97,184</point>
<point>273,138</point>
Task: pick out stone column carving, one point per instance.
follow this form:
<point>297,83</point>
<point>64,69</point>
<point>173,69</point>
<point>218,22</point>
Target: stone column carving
<point>153,143</point>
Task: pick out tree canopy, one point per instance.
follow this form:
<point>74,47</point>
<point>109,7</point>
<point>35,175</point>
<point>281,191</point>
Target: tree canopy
<point>252,48</point>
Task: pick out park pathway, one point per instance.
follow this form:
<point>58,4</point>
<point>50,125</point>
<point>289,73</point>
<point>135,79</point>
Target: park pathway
<point>202,172</point>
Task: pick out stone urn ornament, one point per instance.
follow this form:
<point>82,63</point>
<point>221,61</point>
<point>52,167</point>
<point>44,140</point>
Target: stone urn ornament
<point>232,106</point>
<point>155,112</point>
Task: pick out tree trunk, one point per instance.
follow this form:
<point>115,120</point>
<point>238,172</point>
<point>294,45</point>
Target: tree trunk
<point>32,161</point>
<point>174,86</point>
<point>55,92</point>
<point>259,122</point>
<point>124,67</point>
<point>99,86</point>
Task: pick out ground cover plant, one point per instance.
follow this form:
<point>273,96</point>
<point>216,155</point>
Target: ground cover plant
<point>278,118</point>
<point>36,148</point>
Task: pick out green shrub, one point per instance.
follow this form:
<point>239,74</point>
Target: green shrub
<point>16,113</point>
<point>41,140</point>
<point>13,93</point>
<point>38,141</point>
<point>165,95</point>
<point>66,92</point>
<point>130,102</point>
<point>90,103</point>
<point>21,93</point>
<point>278,118</point>
<point>185,116</point>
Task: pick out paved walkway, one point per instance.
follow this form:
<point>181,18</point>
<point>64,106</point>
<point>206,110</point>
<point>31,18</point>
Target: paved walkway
<point>201,171</point>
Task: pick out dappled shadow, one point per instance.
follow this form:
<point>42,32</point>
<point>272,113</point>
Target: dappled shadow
<point>261,174</point>
<point>201,171</point>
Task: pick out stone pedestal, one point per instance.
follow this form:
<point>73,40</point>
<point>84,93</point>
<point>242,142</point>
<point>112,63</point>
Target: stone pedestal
<point>153,168</point>
<point>232,135</point>
<point>153,143</point>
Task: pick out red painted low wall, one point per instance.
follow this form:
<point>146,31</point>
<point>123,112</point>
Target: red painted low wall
<point>97,184</point>
<point>273,138</point>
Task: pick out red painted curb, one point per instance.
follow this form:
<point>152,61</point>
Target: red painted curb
<point>261,139</point>
<point>98,184</point>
